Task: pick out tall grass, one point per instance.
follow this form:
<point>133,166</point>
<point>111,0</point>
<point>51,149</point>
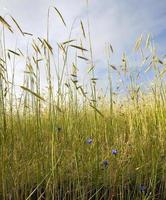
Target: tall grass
<point>73,142</point>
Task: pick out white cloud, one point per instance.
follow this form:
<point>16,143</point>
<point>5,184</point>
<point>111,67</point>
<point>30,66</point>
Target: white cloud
<point>118,22</point>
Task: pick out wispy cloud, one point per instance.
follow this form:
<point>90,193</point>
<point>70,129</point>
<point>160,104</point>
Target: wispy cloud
<point>117,22</point>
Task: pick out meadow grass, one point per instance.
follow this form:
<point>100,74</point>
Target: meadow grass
<point>73,142</point>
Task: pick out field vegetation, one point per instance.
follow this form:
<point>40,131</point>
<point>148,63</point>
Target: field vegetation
<point>70,140</point>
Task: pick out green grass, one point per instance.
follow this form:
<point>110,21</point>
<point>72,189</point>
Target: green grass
<point>44,149</point>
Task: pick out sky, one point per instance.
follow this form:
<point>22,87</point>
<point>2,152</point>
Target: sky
<point>118,22</point>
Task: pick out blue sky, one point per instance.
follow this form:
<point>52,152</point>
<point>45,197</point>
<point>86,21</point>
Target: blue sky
<point>118,22</point>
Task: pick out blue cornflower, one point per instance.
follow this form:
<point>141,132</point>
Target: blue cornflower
<point>105,163</point>
<point>142,188</point>
<point>114,152</point>
<point>89,141</point>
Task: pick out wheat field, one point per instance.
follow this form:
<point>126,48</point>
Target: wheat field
<point>70,140</point>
